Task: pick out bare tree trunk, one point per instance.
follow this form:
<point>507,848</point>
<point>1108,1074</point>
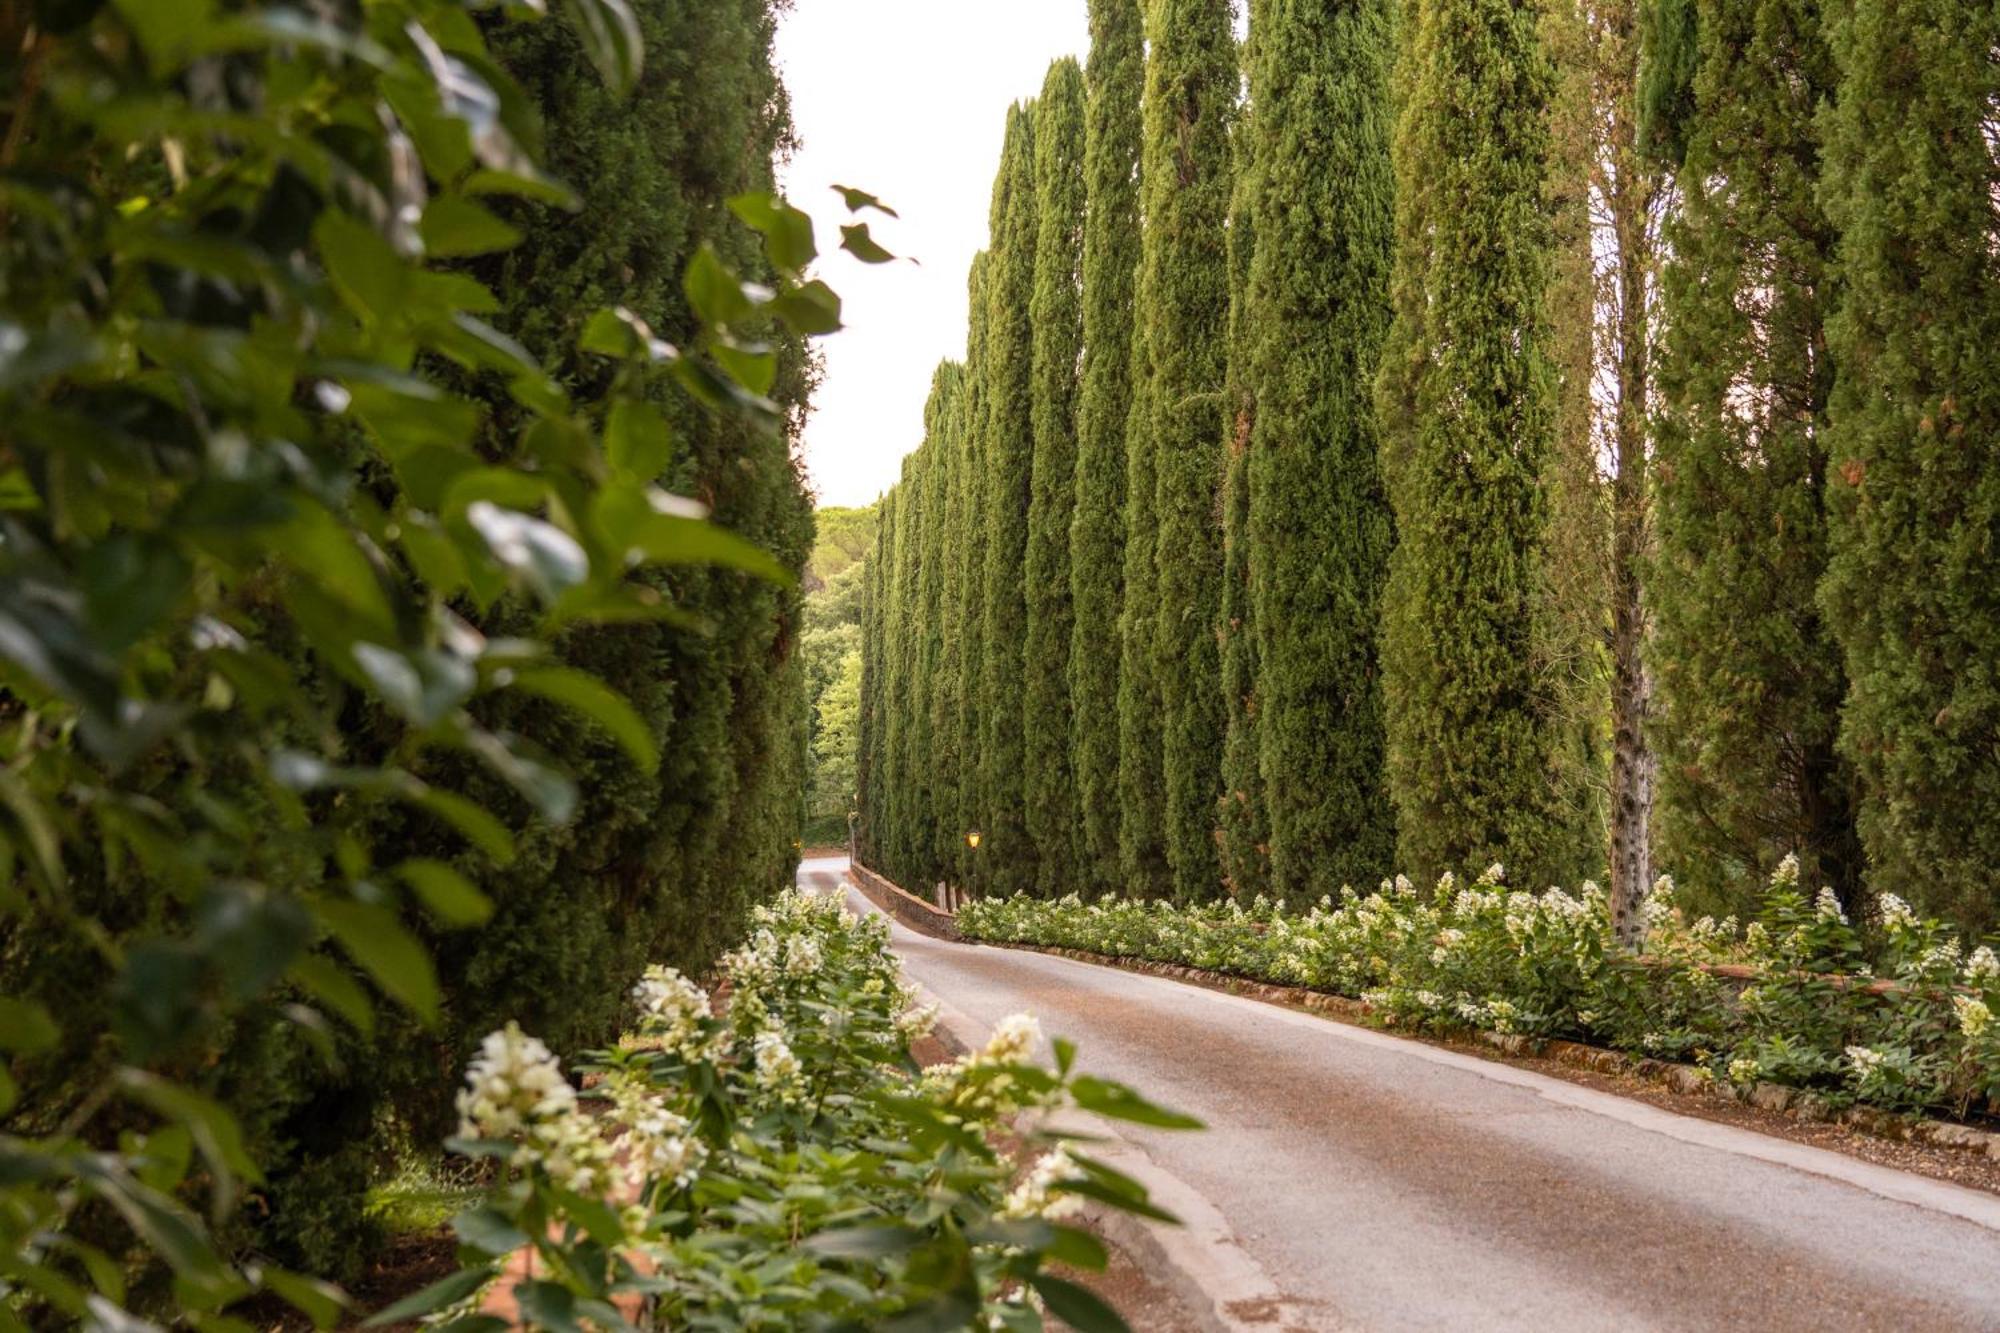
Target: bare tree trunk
<point>1628,188</point>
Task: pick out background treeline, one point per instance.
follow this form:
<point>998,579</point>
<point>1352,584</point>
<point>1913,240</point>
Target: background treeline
<point>629,865</point>
<point>1430,434</point>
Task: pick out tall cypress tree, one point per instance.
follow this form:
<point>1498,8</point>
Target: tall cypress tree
<point>1191,87</point>
<point>1466,413</point>
<point>896,793</point>
<point>1913,585</point>
<point>1142,802</point>
<point>871,748</point>
<point>940,661</point>
<point>1006,850</point>
<point>1320,523</point>
<point>1750,679</point>
<point>1114,78</point>
<point>968,517</point>
<point>1241,818</point>
<point>1056,316</point>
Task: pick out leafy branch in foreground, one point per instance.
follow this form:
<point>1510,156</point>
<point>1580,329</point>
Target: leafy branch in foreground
<point>249,529</point>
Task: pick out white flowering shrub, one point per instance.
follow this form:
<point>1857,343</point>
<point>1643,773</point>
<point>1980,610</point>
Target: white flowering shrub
<point>773,1158</point>
<point>1896,1015</point>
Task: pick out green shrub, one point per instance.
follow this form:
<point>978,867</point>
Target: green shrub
<point>1479,955</point>
<point>786,1164</point>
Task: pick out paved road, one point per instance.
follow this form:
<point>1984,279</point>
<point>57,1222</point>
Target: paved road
<point>1364,1181</point>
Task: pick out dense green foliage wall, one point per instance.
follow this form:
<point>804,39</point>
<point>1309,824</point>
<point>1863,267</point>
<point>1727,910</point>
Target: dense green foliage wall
<point>1913,485</point>
<point>1467,414</point>
<point>1114,78</point>
<point>1009,441</point>
<point>1319,520</point>
<point>1385,318</point>
<point>1056,317</point>
<point>1191,87</point>
<point>1750,677</point>
<point>354,592</point>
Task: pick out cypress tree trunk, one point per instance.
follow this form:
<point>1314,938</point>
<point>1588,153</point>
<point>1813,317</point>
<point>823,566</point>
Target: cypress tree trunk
<point>1191,84</point>
<point>1913,586</point>
<point>1467,414</point>
<point>1056,314</point>
<point>1245,837</point>
<point>1628,183</point>
<point>1750,678</point>
<point>1115,75</point>
<point>1320,525</point>
<point>1006,851</point>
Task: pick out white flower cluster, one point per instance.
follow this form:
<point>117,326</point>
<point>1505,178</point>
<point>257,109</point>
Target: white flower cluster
<point>778,1072</point>
<point>1896,913</point>
<point>1865,1059</point>
<point>1034,1196</point>
<point>515,1089</point>
<point>656,1143</point>
<point>672,1010</point>
<point>1984,965</point>
<point>1974,1016</point>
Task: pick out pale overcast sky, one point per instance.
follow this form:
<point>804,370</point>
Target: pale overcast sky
<point>907,99</point>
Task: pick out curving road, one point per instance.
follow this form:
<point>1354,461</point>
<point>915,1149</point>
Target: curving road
<point>1354,1180</point>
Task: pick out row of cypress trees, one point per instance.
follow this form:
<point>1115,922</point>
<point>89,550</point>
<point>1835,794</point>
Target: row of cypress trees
<point>1264,535</point>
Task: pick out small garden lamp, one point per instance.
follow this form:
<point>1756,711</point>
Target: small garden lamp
<point>972,840</point>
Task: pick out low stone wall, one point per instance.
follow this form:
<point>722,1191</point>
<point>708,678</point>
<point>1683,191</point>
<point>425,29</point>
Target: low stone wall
<point>920,916</point>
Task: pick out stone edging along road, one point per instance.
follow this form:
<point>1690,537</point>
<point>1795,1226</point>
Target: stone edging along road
<point>1687,1080</point>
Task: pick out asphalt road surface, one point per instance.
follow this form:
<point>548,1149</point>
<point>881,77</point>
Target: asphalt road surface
<point>1354,1180</point>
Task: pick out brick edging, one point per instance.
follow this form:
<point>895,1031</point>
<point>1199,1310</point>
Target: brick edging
<point>906,907</point>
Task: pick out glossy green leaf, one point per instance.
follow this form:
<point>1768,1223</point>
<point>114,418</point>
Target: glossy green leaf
<point>1078,1306</point>
<point>455,227</point>
<point>600,703</point>
<point>439,1294</point>
<point>448,895</point>
<point>383,948</point>
<point>321,1302</point>
<point>856,240</point>
<point>1118,1102</point>
<point>611,39</point>
<point>787,232</point>
<point>859,199</point>
<point>636,439</point>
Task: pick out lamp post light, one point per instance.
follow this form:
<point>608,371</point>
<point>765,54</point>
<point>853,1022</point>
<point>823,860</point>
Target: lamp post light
<point>972,840</point>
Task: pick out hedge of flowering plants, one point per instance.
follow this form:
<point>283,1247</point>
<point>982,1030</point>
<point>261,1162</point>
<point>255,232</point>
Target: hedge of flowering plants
<point>1897,1015</point>
<point>783,1163</point>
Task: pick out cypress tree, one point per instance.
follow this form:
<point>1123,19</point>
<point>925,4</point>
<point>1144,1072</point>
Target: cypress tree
<point>1320,524</point>
<point>968,568</point>
<point>940,663</point>
<point>1913,584</point>
<point>1466,413</point>
<point>1750,679</point>
<point>1056,317</point>
<point>1114,78</point>
<point>1241,817</point>
<point>1191,87</point>
<point>1142,852</point>
<point>907,791</point>
<point>870,746</point>
<point>1007,852</point>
